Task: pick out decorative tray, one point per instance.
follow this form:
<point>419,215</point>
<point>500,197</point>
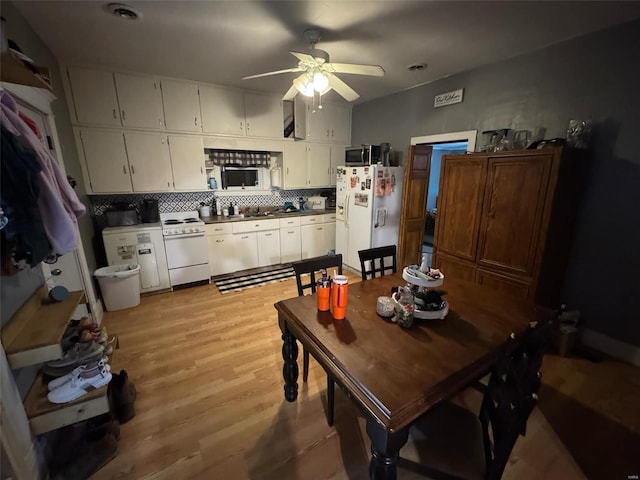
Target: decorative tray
<point>432,314</point>
<point>415,277</point>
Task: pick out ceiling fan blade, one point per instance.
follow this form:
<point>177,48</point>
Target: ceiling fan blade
<point>355,69</point>
<point>344,90</point>
<point>288,70</point>
<point>292,92</point>
<point>304,57</point>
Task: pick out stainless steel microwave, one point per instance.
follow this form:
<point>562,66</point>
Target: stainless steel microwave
<point>362,155</point>
<point>241,178</point>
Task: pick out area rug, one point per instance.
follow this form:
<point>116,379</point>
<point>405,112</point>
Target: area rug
<point>244,281</point>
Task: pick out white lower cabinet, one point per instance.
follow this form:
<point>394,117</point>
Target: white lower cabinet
<point>313,241</point>
<point>219,248</point>
<point>290,246</point>
<point>268,248</point>
<point>245,250</point>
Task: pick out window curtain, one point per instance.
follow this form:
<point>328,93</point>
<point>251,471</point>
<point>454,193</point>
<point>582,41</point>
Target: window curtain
<point>235,158</point>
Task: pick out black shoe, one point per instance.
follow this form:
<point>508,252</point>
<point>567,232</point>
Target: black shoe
<point>123,395</point>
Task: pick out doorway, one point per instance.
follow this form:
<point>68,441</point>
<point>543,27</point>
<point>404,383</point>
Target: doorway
<point>442,144</point>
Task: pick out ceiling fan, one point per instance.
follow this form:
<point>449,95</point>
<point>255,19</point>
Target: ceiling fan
<point>318,75</point>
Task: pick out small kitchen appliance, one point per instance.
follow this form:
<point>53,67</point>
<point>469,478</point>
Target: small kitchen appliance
<point>149,211</point>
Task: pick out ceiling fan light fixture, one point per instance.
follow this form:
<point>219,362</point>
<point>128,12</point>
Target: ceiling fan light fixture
<point>304,85</point>
<point>320,82</point>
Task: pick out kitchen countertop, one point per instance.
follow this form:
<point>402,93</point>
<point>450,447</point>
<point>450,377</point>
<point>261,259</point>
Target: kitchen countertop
<point>240,218</point>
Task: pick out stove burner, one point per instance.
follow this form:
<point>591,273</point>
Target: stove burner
<point>191,220</point>
<point>172,222</point>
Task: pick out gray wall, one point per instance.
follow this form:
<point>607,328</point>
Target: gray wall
<point>594,77</point>
<point>18,30</point>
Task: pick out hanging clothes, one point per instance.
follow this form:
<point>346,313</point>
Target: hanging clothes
<point>58,204</point>
<point>22,238</point>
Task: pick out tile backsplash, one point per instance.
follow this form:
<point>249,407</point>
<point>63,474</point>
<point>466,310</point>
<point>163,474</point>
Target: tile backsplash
<point>183,201</point>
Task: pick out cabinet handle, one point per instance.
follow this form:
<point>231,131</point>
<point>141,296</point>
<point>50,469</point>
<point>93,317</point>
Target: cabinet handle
<point>244,238</point>
<point>201,170</point>
<point>124,169</point>
<point>124,115</point>
<point>114,114</point>
<point>162,140</point>
<point>219,241</point>
<point>268,234</point>
<point>329,171</point>
<point>196,121</point>
<point>292,231</point>
<point>287,170</point>
<point>218,229</point>
<point>319,228</point>
<point>327,133</point>
<point>133,170</point>
<point>160,122</point>
<point>332,132</point>
<point>168,184</point>
<point>257,225</point>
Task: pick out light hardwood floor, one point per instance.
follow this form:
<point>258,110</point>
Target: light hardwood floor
<point>208,371</point>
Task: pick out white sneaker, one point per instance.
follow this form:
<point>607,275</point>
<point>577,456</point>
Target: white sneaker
<point>80,384</point>
<point>58,382</point>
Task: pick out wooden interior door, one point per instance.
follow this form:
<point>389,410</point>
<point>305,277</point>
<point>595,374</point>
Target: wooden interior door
<point>414,204</point>
<point>514,203</point>
<point>460,198</point>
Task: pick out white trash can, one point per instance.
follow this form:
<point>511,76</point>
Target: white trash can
<point>120,285</point>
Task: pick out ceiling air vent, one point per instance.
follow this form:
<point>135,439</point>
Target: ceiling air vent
<point>123,11</point>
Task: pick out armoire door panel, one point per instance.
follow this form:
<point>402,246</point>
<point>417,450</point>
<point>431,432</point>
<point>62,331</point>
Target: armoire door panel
<point>453,267</point>
<point>513,206</point>
<point>502,283</point>
<point>459,205</point>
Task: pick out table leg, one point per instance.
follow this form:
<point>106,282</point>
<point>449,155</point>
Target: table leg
<point>385,446</point>
<point>290,368</point>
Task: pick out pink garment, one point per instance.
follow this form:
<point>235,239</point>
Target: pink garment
<point>58,203</point>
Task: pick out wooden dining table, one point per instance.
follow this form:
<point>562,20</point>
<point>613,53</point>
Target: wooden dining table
<point>393,374</point>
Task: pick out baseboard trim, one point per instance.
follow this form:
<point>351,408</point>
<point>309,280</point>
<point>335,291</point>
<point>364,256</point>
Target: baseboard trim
<point>611,346</point>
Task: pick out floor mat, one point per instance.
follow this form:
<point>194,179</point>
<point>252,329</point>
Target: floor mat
<point>242,282</point>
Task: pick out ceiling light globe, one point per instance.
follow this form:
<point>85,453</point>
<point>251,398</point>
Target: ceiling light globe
<point>320,82</point>
<point>304,87</point>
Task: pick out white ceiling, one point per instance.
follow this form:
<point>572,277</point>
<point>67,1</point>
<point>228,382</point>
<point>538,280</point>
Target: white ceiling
<point>223,41</point>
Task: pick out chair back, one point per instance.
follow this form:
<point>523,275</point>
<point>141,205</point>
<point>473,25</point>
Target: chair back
<point>312,266</point>
<point>368,258</point>
<point>511,395</point>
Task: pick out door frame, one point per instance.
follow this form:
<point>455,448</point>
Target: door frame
<point>470,136</point>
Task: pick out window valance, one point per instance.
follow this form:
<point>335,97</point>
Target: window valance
<point>240,158</point>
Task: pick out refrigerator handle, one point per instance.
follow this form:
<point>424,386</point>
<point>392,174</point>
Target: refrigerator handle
<point>346,208</point>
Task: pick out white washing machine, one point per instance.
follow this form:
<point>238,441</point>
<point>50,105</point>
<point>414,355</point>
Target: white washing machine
<point>142,244</point>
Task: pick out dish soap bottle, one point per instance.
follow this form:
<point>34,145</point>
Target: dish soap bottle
<point>213,184</point>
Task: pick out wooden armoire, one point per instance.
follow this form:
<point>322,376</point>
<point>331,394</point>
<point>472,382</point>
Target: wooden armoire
<point>505,219</point>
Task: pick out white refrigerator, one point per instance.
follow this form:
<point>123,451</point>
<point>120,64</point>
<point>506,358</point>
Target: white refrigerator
<point>368,202</point>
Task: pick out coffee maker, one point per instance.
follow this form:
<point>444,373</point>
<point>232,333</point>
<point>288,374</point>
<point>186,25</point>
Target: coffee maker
<point>149,211</point>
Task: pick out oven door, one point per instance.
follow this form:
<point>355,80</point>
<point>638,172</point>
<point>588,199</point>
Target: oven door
<point>186,251</point>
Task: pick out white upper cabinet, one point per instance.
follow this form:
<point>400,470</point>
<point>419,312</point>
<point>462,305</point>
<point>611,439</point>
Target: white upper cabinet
<point>340,123</point>
<point>300,118</point>
<point>306,165</point>
<point>149,161</point>
<point>187,161</point>
<point>319,165</point>
<point>222,110</point>
<point>318,124</point>
<point>263,112</point>
<point>330,124</point>
<point>181,106</point>
<point>140,101</point>
<point>105,157</point>
<point>295,164</point>
<point>94,97</point>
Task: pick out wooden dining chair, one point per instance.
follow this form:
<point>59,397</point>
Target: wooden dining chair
<point>313,267</point>
<point>368,259</point>
<point>452,442</point>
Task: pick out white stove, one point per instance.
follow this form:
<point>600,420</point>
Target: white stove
<point>181,223</point>
<point>186,247</point>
